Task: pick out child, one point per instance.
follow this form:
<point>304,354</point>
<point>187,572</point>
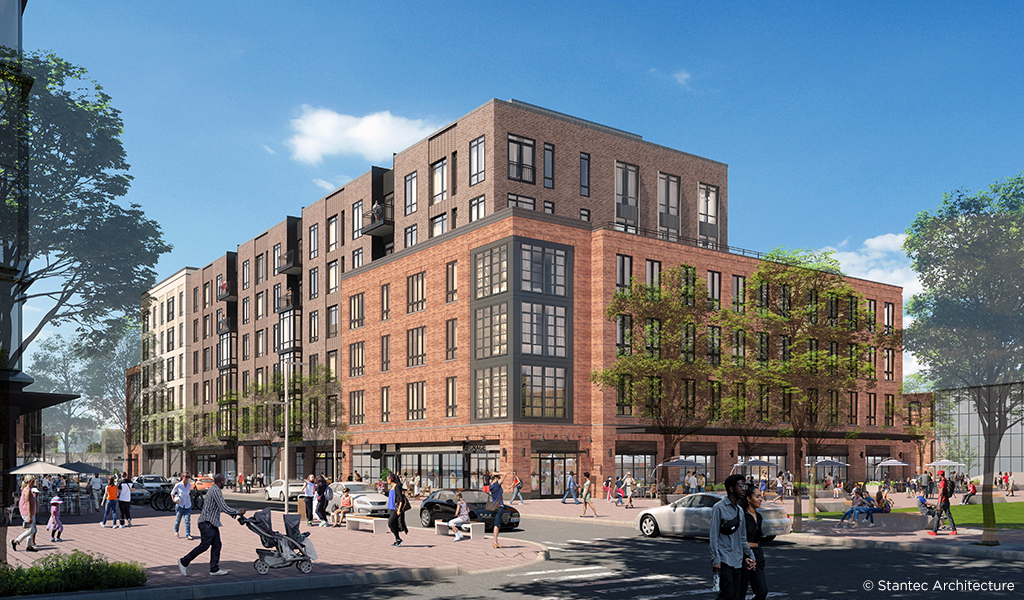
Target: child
<point>54,526</point>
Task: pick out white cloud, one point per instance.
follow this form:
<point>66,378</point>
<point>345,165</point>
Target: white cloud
<point>881,259</point>
<point>334,184</point>
<point>269,149</point>
<point>321,132</point>
<point>682,77</point>
<point>327,185</point>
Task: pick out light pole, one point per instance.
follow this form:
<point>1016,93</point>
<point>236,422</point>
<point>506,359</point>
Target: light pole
<point>287,423</point>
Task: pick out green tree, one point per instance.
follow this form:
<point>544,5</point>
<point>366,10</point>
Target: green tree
<point>661,372</point>
<point>104,379</point>
<point>59,367</point>
<point>968,327</point>
<point>800,337</point>
<point>89,258</point>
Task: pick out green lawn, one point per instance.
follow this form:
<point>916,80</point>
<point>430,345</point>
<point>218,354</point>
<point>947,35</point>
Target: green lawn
<point>1009,515</point>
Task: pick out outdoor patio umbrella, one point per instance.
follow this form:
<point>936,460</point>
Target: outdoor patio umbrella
<point>675,462</point>
<point>81,467</point>
<point>892,462</point>
<point>946,463</point>
<point>828,462</point>
<point>38,467</point>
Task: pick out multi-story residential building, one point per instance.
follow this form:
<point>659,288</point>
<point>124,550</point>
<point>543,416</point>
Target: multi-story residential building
<point>459,298</point>
<point>164,376</point>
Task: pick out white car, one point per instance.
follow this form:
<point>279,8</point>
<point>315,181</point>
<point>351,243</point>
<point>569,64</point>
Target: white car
<point>691,516</point>
<point>365,498</point>
<point>275,491</point>
<point>154,482</point>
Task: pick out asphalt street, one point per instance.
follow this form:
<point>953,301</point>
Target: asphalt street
<point>590,561</point>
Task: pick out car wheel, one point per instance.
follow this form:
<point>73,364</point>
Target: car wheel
<point>281,497</point>
<point>649,526</point>
<point>426,519</point>
<point>768,538</point>
<point>261,567</point>
<point>267,495</point>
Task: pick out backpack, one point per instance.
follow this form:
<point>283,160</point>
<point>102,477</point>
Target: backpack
<point>328,493</point>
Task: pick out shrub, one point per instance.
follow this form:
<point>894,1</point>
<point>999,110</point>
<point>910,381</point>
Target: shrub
<point>61,573</point>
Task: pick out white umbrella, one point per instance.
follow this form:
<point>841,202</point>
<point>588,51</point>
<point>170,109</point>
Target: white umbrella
<point>38,467</point>
<point>827,462</point>
<point>946,463</point>
<point>892,462</point>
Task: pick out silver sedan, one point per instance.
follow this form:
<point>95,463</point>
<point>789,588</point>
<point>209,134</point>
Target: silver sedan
<point>691,516</point>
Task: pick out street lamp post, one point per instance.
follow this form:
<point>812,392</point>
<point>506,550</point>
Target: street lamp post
<point>287,424</point>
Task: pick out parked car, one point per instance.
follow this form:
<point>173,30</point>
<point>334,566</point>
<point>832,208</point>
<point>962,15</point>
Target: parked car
<point>140,495</point>
<point>691,516</point>
<point>203,483</point>
<point>440,506</point>
<point>154,482</point>
<point>276,489</point>
<point>366,500</point>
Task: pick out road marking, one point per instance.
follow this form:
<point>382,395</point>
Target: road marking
<point>580,576</point>
<point>555,571</point>
<point>617,581</point>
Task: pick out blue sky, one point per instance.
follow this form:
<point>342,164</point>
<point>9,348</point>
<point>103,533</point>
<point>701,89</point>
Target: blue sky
<point>839,121</point>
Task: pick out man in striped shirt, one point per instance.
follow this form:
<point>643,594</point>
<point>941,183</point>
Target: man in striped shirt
<point>209,528</point>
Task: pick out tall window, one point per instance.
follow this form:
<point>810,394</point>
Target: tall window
<point>332,321</point>
<point>332,277</point>
<point>477,210</point>
<point>714,290</point>
<point>890,318</point>
<point>476,161</point>
<point>314,283</point>
<point>385,302</point>
<point>851,409</point>
<point>689,343</point>
<point>356,408</point>
<point>245,274</point>
<point>451,281</point>
<point>872,316</point>
<point>314,326</point>
<point>385,353</point>
<point>332,233</point>
<point>385,404</point>
<point>851,313</point>
<point>544,392</point>
<point>410,193</point>
<point>416,408</point>
<point>549,166</point>
<point>357,258</point>
<point>439,181</point>
<point>416,347</point>
<point>668,205</point>
<point>688,289</point>
<point>356,311</point>
<point>492,331</point>
<point>623,335</point>
<point>492,271</point>
<point>714,345</point>
<point>890,410</point>
<point>739,348</point>
<point>626,211</point>
<point>889,371</point>
<point>439,225</point>
<point>357,220</point>
<point>451,388</point>
<point>543,270</point>
<point>872,408</point>
<point>584,174</point>
<point>491,392</point>
<point>543,329</point>
<point>451,329</point>
<point>411,235</point>
<point>739,294</point>
<point>707,214</point>
<point>416,292</point>
<point>624,396</point>
<point>763,348</point>
<point>623,271</point>
<point>357,359</point>
<point>520,158</point>
<point>314,240</point>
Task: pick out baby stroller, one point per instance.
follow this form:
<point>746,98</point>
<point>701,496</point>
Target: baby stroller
<point>292,548</point>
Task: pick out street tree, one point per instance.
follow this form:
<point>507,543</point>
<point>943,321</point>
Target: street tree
<point>58,366</point>
<point>803,339</point>
<point>104,379</point>
<point>968,328</point>
<point>663,355</point>
<point>89,258</point>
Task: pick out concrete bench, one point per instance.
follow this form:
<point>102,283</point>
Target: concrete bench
<point>475,528</point>
<point>378,524</point>
<point>897,521</point>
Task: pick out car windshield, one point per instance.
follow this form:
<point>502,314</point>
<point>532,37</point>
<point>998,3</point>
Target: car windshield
<point>475,497</point>
<point>360,488</point>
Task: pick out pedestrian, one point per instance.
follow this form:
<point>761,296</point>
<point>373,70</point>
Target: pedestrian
<point>630,485</point>
<point>54,526</point>
<point>1009,484</point>
<point>111,508</point>
<point>344,507</point>
<point>587,491</point>
<point>358,476</point>
<point>691,482</point>
<point>308,493</point>
<point>517,489</point>
<point>461,516</point>
<point>701,482</point>
<point>498,502</point>
<point>396,506</point>
<point>971,492</point>
<point>27,507</point>
<point>752,499</point>
<point>321,500</point>
<point>619,492</point>
<point>416,485</point>
<point>124,500</point>
<point>609,489</point>
<point>942,504</point>
<point>181,494</point>
<point>570,488</point>
<point>96,487</point>
<point>729,550</point>
<point>209,528</point>
<point>780,489</point>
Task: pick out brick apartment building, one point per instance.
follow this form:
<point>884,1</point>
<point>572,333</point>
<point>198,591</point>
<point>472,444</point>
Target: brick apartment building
<point>459,297</point>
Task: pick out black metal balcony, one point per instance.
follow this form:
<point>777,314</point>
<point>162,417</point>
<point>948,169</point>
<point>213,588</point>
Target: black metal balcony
<point>380,220</point>
<point>287,302</point>
<point>289,263</point>
<point>226,292</point>
<point>226,325</point>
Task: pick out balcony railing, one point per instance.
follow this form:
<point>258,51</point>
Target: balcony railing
<point>287,302</point>
<point>379,220</point>
<point>226,292</point>
<point>289,263</point>
<point>226,325</point>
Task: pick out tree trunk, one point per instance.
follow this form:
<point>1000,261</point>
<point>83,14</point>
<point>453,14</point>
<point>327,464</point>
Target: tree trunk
<point>989,535</point>
<point>798,509</point>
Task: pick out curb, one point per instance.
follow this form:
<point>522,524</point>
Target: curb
<point>971,551</point>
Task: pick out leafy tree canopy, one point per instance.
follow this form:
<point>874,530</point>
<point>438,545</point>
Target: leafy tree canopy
<point>90,258</point>
<point>818,260</point>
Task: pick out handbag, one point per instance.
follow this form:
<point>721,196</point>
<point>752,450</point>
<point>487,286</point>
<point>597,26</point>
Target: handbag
<point>491,506</point>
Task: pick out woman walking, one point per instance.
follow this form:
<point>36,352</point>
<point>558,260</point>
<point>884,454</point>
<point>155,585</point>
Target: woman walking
<point>396,504</point>
<point>755,578</point>
<point>54,526</point>
<point>27,507</point>
<point>588,488</point>
<point>321,500</point>
<point>111,508</point>
<point>308,491</point>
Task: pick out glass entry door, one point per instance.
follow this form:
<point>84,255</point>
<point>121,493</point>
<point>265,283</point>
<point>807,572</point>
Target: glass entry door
<point>550,472</point>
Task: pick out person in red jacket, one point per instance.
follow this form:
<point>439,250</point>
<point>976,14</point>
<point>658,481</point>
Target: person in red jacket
<point>971,491</point>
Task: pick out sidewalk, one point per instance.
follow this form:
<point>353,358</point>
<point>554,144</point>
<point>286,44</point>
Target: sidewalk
<point>344,557</point>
